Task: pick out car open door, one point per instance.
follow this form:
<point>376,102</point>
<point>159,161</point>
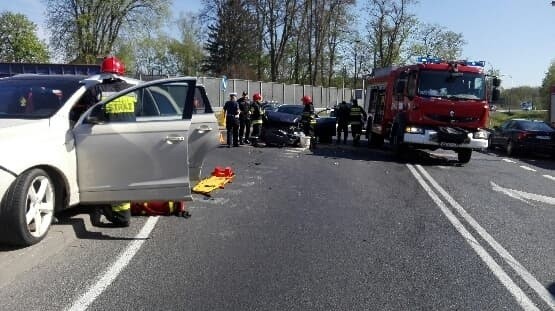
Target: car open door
<point>139,160</point>
<point>204,130</point>
<point>204,133</point>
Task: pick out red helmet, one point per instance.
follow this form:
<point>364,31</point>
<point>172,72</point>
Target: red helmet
<point>112,65</point>
<point>257,97</point>
<point>307,100</point>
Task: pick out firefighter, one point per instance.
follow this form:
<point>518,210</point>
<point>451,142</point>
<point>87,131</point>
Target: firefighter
<point>256,117</point>
<point>308,117</point>
<point>342,118</point>
<point>231,110</point>
<point>121,109</point>
<point>357,116</point>
<point>244,119</point>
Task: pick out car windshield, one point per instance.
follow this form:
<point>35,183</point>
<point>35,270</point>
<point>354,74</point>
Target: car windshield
<point>452,85</point>
<point>535,126</point>
<point>291,109</point>
<point>34,98</point>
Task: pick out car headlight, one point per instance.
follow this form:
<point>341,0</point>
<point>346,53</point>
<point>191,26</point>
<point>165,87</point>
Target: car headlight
<point>481,134</point>
<point>414,130</point>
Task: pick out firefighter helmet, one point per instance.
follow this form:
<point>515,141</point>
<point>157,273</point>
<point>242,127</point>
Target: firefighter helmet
<point>112,65</point>
<point>307,100</point>
<point>257,97</point>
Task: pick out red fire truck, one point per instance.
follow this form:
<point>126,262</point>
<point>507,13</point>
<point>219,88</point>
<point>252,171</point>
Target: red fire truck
<point>429,105</point>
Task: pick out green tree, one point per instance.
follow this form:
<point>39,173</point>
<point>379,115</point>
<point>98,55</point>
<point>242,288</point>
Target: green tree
<point>231,50</point>
<point>187,51</point>
<point>18,40</point>
<point>435,40</point>
<point>85,30</point>
<point>389,26</point>
<point>547,83</point>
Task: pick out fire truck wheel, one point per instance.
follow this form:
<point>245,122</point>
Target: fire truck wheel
<point>27,209</point>
<point>464,155</point>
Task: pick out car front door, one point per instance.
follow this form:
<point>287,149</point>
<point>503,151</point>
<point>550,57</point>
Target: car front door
<point>139,160</point>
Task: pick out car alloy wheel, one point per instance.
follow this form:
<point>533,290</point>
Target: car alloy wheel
<point>27,209</point>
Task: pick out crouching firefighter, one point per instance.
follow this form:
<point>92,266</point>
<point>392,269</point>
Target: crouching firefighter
<point>357,116</point>
<point>121,109</point>
<point>256,116</point>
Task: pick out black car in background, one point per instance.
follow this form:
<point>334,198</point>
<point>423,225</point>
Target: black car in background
<point>325,126</point>
<point>520,135</point>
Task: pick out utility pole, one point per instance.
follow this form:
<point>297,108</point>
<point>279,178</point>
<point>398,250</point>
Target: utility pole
<point>355,75</point>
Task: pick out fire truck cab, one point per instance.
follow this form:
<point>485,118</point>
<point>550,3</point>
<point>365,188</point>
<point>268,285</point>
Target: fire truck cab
<point>429,105</point>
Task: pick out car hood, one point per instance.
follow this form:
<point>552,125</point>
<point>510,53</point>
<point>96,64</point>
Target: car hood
<point>11,123</point>
<point>19,137</point>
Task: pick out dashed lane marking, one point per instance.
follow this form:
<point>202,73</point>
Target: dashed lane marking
<point>528,168</point>
<point>508,160</point>
<point>549,177</point>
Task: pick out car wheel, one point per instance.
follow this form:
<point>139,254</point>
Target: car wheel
<point>511,149</point>
<point>464,155</point>
<point>490,143</point>
<point>27,209</point>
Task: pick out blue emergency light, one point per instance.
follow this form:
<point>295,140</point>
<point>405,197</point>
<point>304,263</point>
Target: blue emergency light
<point>480,63</point>
<point>428,60</point>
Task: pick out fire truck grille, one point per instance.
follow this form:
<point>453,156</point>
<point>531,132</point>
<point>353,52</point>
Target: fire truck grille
<point>449,119</point>
<point>452,135</point>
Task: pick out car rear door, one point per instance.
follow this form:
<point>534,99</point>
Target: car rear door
<point>140,160</point>
<point>204,133</point>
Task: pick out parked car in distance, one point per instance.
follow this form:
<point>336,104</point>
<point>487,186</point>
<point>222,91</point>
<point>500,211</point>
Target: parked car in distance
<point>520,135</point>
<point>526,106</point>
<point>60,148</point>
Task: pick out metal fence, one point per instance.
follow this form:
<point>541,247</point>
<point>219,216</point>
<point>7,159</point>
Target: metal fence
<point>279,92</point>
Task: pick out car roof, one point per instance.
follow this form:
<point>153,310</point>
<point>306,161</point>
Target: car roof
<point>30,76</point>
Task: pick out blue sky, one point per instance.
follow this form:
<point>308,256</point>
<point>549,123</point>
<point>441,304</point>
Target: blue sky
<point>514,36</point>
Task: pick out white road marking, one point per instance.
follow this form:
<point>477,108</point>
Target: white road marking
<point>509,259</point>
<point>528,168</point>
<point>521,195</point>
<point>508,160</point>
<point>501,275</point>
<point>549,177</point>
<point>115,269</point>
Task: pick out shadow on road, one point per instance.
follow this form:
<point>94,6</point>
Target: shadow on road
<point>68,217</point>
<point>551,289</point>
<point>383,154</point>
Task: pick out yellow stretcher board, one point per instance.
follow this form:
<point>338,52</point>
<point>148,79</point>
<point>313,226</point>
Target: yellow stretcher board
<point>210,184</point>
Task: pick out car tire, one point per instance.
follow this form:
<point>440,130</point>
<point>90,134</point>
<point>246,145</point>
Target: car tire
<point>510,149</point>
<point>490,143</point>
<point>464,155</point>
<point>27,209</point>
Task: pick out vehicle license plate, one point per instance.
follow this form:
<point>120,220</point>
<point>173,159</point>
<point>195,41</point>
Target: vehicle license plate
<point>543,137</point>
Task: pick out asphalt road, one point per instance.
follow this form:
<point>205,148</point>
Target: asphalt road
<point>336,228</point>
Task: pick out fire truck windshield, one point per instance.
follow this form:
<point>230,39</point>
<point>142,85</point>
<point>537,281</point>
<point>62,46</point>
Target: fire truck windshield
<point>452,85</point>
